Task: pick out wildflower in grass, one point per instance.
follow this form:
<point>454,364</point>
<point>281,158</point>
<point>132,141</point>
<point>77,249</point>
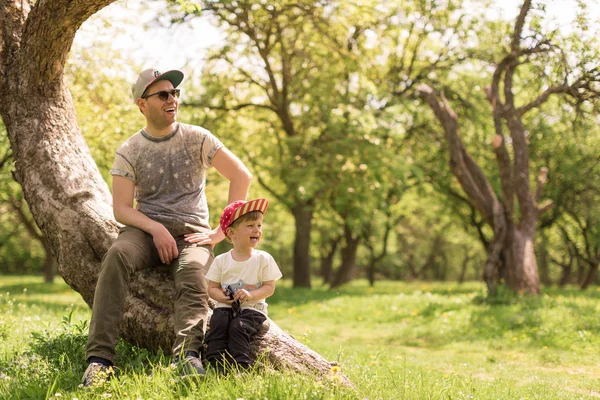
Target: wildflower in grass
<point>335,369</point>
<point>515,339</point>
<point>545,347</point>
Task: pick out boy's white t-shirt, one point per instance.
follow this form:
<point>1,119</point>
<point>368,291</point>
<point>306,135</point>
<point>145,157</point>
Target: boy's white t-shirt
<point>249,275</point>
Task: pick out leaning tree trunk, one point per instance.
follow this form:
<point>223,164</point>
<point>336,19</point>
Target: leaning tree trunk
<point>67,196</point>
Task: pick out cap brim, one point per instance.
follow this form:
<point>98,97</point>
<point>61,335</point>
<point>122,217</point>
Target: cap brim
<point>174,76</point>
<point>253,205</point>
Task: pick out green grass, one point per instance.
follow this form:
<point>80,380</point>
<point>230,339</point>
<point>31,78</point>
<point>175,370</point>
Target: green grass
<point>394,341</point>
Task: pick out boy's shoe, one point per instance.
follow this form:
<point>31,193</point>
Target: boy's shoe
<point>96,374</point>
<point>190,366</point>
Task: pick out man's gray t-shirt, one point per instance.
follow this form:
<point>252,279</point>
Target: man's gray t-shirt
<point>169,174</point>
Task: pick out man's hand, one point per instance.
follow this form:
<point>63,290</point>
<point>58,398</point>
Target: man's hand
<point>165,244</point>
<point>212,237</point>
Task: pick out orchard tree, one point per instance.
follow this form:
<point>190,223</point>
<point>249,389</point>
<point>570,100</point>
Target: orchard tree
<point>67,196</point>
<point>513,213</point>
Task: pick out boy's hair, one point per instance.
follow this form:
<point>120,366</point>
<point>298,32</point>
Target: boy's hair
<point>251,216</point>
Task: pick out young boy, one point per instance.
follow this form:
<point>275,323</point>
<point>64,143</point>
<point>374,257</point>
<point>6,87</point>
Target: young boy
<point>239,281</point>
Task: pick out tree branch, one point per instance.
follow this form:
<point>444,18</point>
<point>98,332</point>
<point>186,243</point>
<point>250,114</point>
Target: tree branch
<point>520,22</point>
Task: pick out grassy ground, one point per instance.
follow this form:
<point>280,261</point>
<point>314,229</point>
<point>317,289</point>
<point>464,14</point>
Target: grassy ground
<point>394,341</point>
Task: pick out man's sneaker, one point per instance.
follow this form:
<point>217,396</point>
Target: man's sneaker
<point>96,374</point>
<point>190,366</point>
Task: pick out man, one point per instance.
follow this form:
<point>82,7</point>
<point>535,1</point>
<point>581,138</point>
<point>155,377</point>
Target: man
<point>163,167</point>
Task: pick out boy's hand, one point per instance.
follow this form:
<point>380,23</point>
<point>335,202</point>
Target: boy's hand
<point>212,237</point>
<point>242,295</point>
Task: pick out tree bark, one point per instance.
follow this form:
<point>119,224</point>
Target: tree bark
<point>67,196</point>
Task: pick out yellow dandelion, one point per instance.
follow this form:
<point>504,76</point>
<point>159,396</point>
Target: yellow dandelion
<point>336,369</point>
<point>515,339</point>
<point>545,347</point>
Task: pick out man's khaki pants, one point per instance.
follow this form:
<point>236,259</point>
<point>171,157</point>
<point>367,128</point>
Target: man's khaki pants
<point>134,250</point>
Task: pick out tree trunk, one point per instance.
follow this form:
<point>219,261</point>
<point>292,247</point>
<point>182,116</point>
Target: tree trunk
<point>590,276</point>
<point>522,277</point>
<point>327,260</point>
<point>567,267</point>
<point>66,194</point>
<point>544,258</point>
<point>465,265</point>
<point>347,268</point>
<point>371,270</point>
<point>303,218</point>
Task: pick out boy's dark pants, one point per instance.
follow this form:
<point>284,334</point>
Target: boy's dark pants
<point>132,251</point>
<point>228,339</point>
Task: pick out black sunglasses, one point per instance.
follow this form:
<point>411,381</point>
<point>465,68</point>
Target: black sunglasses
<point>163,95</point>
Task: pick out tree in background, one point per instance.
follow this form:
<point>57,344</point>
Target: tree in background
<point>514,224</point>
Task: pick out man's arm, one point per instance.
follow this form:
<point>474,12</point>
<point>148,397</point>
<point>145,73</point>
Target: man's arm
<point>232,168</point>
<point>123,190</point>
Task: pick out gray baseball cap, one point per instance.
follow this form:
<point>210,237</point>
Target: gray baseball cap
<point>151,75</point>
